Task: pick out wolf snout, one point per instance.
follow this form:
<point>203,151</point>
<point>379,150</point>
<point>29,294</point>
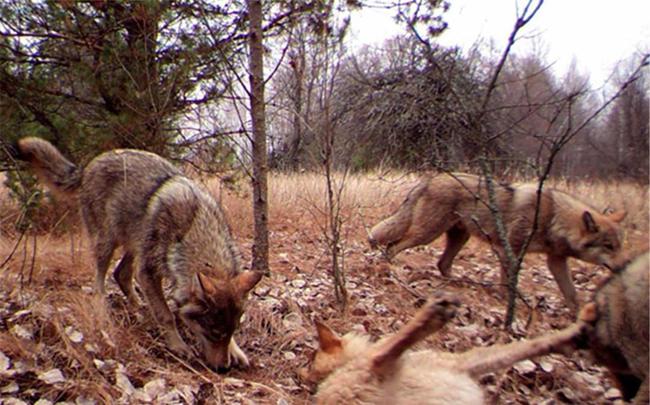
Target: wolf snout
<point>307,379</point>
<point>216,355</point>
<point>619,262</point>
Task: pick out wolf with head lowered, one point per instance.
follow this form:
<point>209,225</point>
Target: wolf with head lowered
<point>456,204</point>
<point>169,228</point>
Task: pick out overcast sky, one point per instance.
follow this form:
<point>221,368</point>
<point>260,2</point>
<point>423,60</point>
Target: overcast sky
<point>597,33</point>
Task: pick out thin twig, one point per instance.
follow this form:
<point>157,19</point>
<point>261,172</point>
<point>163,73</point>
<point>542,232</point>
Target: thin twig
<point>13,250</point>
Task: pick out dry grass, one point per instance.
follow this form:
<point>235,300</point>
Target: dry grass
<point>629,196</point>
<point>367,197</point>
<point>293,194</point>
<point>276,332</point>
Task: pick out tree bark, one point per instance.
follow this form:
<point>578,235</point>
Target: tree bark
<point>260,261</point>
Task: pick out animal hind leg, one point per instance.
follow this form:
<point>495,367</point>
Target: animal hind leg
<point>457,237</point>
<point>423,234</point>
<point>104,248</point>
<point>489,359</point>
<point>123,275</point>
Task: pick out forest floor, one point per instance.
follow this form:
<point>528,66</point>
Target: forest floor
<point>60,343</point>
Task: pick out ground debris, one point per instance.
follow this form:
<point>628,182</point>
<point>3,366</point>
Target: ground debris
<point>52,376</point>
<point>116,354</point>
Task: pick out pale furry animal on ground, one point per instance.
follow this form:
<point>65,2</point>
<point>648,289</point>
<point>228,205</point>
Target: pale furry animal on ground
<point>352,370</point>
<point>168,227</point>
<point>456,204</point>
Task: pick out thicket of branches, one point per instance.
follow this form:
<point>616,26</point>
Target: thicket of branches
<point>408,105</point>
<point>168,77</point>
<point>98,75</point>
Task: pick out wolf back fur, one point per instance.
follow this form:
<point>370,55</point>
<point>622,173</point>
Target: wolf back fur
<point>355,371</point>
<point>457,205</point>
<point>168,227</point>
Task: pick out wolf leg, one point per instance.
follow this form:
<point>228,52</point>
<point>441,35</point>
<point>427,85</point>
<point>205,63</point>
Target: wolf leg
<point>489,359</point>
<point>422,234</point>
<point>104,248</point>
<point>516,247</point>
<point>152,288</point>
<point>558,267</point>
<point>503,268</point>
<point>236,355</point>
<point>430,318</point>
<point>123,275</point>
<point>457,237</point>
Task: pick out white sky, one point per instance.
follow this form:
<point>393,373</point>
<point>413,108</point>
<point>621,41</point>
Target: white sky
<point>597,33</point>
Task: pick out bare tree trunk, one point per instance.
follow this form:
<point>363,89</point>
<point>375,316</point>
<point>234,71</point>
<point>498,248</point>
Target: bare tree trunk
<point>260,260</point>
<point>298,66</point>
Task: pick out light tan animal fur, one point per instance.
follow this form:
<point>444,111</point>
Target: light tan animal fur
<point>456,204</point>
<point>168,227</point>
<point>619,340</point>
<point>351,370</point>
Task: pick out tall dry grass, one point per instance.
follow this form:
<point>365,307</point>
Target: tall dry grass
<point>627,195</point>
<point>299,199</point>
<point>369,196</point>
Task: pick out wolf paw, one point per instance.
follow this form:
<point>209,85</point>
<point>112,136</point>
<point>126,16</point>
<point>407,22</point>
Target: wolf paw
<point>443,305</point>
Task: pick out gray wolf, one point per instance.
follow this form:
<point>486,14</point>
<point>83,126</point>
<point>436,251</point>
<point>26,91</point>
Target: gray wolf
<point>169,228</point>
<point>619,339</point>
<point>456,205</point>
<point>351,370</point>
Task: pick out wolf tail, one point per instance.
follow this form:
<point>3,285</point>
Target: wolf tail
<point>51,167</point>
<point>395,226</point>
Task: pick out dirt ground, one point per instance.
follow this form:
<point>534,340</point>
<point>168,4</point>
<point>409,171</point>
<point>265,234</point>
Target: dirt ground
<point>59,343</point>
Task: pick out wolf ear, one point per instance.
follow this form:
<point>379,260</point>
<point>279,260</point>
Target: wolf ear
<point>246,280</point>
<point>204,285</point>
<point>590,224</point>
<point>617,216</point>
<point>327,339</point>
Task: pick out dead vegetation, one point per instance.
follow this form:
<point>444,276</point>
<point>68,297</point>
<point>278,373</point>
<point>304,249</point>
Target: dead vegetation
<point>59,342</point>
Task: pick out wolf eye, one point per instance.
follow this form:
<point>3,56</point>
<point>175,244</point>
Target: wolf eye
<point>608,246</point>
